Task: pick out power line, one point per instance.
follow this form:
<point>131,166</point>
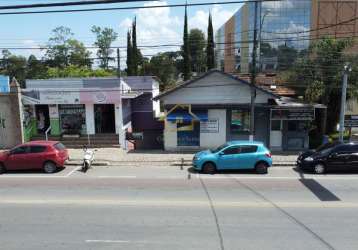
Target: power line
<point>64,4</point>
<point>135,7</point>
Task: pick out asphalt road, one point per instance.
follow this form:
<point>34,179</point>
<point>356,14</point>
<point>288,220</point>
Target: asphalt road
<point>168,208</point>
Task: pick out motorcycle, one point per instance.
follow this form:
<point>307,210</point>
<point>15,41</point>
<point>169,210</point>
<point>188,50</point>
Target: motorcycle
<point>88,158</point>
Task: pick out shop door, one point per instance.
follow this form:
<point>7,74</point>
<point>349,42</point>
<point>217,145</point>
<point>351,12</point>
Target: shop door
<point>276,134</point>
<point>104,119</point>
<point>43,118</point>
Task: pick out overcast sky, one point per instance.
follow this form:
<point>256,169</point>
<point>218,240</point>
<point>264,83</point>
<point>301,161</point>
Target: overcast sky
<point>155,26</point>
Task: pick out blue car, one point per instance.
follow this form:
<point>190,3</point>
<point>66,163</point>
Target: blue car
<point>234,155</point>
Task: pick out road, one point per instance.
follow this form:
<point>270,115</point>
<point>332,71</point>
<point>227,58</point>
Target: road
<point>168,208</point>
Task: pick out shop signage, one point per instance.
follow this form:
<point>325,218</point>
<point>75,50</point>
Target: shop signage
<point>209,126</point>
<point>136,136</point>
<point>51,96</point>
<point>351,121</point>
<point>292,114</point>
<point>53,111</point>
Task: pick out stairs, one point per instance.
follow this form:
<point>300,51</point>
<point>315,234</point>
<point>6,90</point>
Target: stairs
<point>96,141</point>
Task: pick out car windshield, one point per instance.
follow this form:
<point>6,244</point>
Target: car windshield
<point>327,147</point>
<point>219,148</point>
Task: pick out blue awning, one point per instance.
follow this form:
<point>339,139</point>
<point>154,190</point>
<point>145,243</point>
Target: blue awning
<point>185,116</point>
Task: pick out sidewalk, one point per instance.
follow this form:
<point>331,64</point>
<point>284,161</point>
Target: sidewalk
<point>117,156</point>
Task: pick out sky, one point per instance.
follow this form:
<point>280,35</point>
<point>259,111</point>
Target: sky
<point>154,26</point>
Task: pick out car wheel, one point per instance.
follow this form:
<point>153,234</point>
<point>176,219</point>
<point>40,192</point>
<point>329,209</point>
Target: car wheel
<point>261,168</point>
<point>2,168</point>
<point>319,168</point>
<point>209,168</point>
<point>50,167</point>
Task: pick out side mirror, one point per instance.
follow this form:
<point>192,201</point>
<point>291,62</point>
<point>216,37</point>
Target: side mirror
<point>334,154</point>
<point>221,153</point>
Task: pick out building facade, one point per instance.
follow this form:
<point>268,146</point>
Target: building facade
<point>86,106</point>
<point>202,114</point>
<point>285,29</point>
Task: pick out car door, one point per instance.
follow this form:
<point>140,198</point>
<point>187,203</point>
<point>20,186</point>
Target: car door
<point>17,159</point>
<point>228,158</point>
<point>352,159</point>
<point>35,156</point>
<point>247,157</point>
<point>339,157</point>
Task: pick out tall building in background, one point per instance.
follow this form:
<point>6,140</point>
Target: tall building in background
<point>285,29</point>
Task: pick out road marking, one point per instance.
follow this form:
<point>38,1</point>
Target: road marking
<point>178,203</point>
<point>107,241</point>
<point>74,170</point>
<point>116,177</point>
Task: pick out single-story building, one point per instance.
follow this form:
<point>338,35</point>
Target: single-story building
<point>207,111</point>
<point>83,106</point>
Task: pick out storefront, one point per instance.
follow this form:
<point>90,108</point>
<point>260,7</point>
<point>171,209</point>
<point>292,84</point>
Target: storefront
<point>202,113</point>
<point>81,107</point>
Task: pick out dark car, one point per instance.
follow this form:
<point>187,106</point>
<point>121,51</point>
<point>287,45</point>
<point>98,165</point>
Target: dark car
<point>330,156</point>
<point>45,155</point>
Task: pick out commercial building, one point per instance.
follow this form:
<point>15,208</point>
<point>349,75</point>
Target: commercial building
<point>285,28</point>
<point>215,108</point>
<point>82,107</point>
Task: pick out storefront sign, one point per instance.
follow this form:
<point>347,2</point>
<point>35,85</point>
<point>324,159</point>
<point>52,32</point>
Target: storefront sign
<point>351,121</point>
<point>292,114</point>
<point>188,134</point>
<point>51,96</point>
<point>209,126</point>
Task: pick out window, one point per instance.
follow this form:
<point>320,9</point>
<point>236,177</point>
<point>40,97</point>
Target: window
<point>37,149</point>
<point>19,150</point>
<point>240,121</point>
<point>275,125</point>
<point>59,146</point>
<point>232,151</point>
<point>248,149</point>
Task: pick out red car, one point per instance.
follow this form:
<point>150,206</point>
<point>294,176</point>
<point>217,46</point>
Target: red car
<point>46,155</point>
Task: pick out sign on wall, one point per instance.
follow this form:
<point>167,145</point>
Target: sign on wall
<point>209,126</point>
<point>293,114</point>
<point>351,121</point>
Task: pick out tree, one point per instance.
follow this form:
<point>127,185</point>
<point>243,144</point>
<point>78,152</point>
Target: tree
<point>104,39</point>
<point>197,50</point>
<point>135,55</point>
<point>129,54</point>
<point>36,69</point>
<point>320,74</point>
<point>14,66</point>
<point>76,71</point>
<point>210,52</point>
<point>58,50</point>
<point>186,50</point>
<point>164,66</point>
<point>64,50</point>
<point>78,54</point>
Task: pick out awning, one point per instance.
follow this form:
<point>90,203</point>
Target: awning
<point>185,116</point>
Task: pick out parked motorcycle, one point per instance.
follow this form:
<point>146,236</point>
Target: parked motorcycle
<point>88,158</point>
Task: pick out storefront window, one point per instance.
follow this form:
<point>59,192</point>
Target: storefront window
<point>297,126</point>
<point>240,121</point>
<point>72,118</point>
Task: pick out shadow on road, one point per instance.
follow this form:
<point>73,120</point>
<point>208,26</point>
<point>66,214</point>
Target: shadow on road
<point>32,171</point>
<point>240,171</point>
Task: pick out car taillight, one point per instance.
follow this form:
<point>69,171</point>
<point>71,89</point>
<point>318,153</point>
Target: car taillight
<point>268,155</point>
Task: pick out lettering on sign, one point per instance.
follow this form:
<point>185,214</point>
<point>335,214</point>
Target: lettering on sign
<point>293,114</point>
<point>209,126</point>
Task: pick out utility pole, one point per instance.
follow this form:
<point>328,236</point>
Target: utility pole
<point>118,63</point>
<point>347,69</point>
<point>253,77</point>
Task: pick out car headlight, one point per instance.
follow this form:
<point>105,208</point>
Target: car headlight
<point>196,158</point>
<point>309,159</point>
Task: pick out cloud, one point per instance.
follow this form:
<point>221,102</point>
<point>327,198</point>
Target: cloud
<point>219,14</point>
<point>35,51</point>
<point>155,26</point>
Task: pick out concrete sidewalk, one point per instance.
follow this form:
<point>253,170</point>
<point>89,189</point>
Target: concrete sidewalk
<point>117,156</point>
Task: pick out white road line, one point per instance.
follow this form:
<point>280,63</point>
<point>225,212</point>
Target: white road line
<point>115,177</point>
<point>74,170</point>
<point>107,241</point>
